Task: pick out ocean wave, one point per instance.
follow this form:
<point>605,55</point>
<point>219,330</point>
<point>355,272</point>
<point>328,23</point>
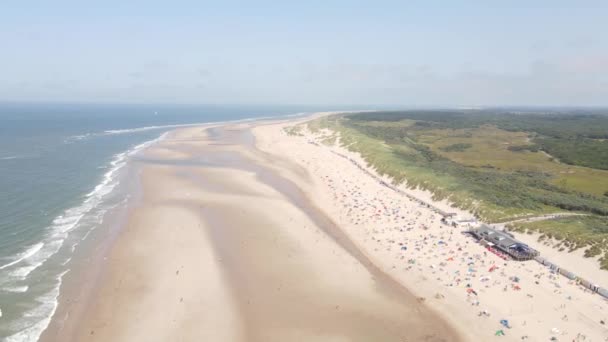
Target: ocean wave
<point>146,128</point>
<point>75,138</point>
<point>37,259</point>
<point>149,128</point>
<point>296,115</point>
<point>11,157</point>
<point>72,217</point>
<point>85,136</point>
<point>35,321</point>
<point>24,255</point>
<point>16,289</point>
<point>22,265</point>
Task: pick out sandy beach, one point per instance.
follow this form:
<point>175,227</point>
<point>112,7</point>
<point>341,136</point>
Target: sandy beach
<point>474,289</point>
<point>246,233</point>
<point>225,245</point>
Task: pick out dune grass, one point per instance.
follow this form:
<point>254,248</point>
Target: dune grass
<point>574,232</point>
<point>295,130</point>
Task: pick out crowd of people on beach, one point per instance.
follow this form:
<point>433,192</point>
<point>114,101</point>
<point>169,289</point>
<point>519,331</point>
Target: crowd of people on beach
<point>509,298</point>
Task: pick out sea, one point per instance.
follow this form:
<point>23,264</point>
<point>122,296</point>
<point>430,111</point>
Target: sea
<point>61,168</point>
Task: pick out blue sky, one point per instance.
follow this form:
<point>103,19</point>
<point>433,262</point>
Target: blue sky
<point>426,53</point>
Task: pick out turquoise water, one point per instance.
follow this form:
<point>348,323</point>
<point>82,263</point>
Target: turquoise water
<point>60,168</point>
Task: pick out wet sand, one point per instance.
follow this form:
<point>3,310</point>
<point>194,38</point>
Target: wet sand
<point>224,247</point>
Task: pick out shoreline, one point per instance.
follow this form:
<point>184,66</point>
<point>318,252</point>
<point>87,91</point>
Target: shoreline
<point>89,266</point>
<point>66,233</point>
<point>92,253</point>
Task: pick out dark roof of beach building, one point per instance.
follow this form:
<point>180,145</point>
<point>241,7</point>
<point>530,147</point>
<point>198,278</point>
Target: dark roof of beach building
<point>504,241</point>
<point>497,237</point>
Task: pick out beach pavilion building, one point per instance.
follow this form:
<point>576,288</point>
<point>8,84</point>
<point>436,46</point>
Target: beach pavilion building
<point>504,242</point>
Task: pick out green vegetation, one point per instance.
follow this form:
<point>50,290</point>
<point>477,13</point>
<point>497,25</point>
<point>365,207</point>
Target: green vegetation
<point>574,232</point>
<point>459,147</point>
<point>500,165</point>
<point>577,151</point>
<point>574,138</point>
<point>523,148</point>
<point>293,130</point>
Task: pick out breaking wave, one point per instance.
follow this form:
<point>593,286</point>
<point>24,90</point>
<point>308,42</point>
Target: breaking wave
<point>85,136</point>
<point>24,264</point>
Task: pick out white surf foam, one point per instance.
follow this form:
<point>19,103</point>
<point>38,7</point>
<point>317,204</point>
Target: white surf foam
<point>24,255</point>
<point>37,259</point>
<point>16,289</point>
<point>36,320</point>
<point>72,217</point>
<point>146,128</point>
<point>149,128</point>
<point>10,157</point>
<point>75,138</point>
<point>160,127</point>
<point>296,115</point>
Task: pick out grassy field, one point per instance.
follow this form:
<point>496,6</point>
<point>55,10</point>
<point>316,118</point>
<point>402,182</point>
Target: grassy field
<point>491,147</point>
<point>492,165</point>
